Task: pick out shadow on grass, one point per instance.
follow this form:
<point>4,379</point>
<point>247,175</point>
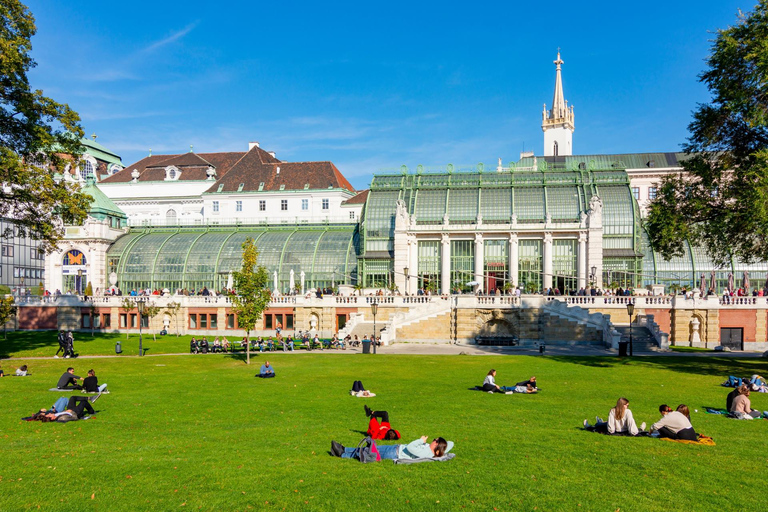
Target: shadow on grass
<point>721,367</point>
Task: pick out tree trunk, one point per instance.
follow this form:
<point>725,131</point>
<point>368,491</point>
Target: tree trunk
<point>247,347</point>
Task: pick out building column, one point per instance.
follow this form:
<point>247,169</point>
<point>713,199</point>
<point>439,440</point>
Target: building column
<point>480,261</point>
<point>514,259</point>
<point>413,266</point>
<point>547,261</point>
<point>445,260</point>
<point>582,261</point>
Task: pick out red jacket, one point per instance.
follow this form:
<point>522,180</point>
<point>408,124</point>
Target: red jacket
<point>378,430</point>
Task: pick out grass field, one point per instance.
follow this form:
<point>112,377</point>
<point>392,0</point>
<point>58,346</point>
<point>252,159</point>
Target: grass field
<point>200,432</point>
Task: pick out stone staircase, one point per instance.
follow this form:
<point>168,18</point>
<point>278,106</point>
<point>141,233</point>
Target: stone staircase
<point>642,339</point>
<point>554,329</point>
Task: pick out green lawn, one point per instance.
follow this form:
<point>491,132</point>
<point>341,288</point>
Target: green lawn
<point>200,432</point>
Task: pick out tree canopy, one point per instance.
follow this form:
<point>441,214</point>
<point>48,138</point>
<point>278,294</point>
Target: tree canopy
<point>39,140</point>
<point>720,201</point>
<point>252,291</point>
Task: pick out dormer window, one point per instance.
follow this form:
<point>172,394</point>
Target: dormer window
<point>88,168</point>
<point>240,187</point>
<point>306,186</point>
<point>115,168</point>
<point>261,186</point>
<point>221,187</point>
<point>282,187</point>
<point>172,173</point>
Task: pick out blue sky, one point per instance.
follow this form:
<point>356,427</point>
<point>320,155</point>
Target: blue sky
<point>372,86</point>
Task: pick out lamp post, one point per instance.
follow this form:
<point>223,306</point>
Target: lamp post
<point>631,311</point>
<point>140,308</point>
<point>594,275</point>
<point>407,278</point>
<point>79,283</point>
<point>374,309</point>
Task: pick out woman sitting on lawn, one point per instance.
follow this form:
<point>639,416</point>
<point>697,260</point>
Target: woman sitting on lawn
<point>742,407</point>
<point>418,449</point>
<point>620,422</point>
<point>489,384</point>
<point>675,424</point>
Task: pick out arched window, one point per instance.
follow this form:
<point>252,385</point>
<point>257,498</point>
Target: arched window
<point>170,217</point>
<point>88,171</point>
<point>554,151</point>
<point>172,174</point>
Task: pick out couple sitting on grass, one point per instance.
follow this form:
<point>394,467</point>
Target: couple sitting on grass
<point>673,424</point>
<point>421,448</point>
<point>739,405</point>
<point>526,386</point>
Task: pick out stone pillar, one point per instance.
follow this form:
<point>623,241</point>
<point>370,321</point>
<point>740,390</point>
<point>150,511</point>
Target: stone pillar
<point>514,259</point>
<point>547,261</point>
<point>413,266</point>
<point>480,261</point>
<point>445,260</point>
<point>582,260</point>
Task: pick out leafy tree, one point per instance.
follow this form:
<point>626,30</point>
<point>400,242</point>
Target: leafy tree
<point>89,290</point>
<point>172,308</point>
<point>7,310</point>
<point>252,293</point>
<point>721,200</point>
<point>39,139</point>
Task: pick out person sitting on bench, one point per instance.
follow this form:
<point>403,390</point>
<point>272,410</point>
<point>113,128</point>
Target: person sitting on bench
<point>267,371</point>
<point>204,346</point>
<point>91,383</point>
<point>382,429</point>
<point>193,346</point>
<point>69,380</point>
<point>418,449</point>
<point>675,424</point>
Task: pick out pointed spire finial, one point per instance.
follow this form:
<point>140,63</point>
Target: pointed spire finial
<point>190,148</point>
<point>150,151</point>
<point>93,135</point>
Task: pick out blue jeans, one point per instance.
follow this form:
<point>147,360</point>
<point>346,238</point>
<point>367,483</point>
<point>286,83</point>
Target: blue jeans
<point>387,451</point>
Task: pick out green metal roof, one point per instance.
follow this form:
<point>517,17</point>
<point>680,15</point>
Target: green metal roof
<point>101,205</point>
<point>99,152</point>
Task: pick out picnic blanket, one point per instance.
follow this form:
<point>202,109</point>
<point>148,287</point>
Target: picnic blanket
<point>105,392</point>
<point>447,456</point>
<point>705,440</point>
<point>714,410</point>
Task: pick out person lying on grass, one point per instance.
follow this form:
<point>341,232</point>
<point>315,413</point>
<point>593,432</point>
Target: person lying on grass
<point>675,424</point>
<point>530,382</point>
<point>418,449</point>
<point>489,385</point>
<point>382,429</point>
<point>620,422</point>
<point>76,409</point>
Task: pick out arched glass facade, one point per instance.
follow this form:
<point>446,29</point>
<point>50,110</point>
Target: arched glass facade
<point>193,258</point>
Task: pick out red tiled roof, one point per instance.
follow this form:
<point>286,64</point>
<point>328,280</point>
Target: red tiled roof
<point>193,166</point>
<point>360,198</point>
<point>254,169</point>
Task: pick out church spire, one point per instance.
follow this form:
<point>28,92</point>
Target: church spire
<point>557,123</point>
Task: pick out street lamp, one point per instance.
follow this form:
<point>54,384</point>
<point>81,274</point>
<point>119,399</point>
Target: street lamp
<point>594,274</point>
<point>374,309</point>
<point>79,284</point>
<point>140,308</point>
<point>631,311</point>
<point>407,278</point>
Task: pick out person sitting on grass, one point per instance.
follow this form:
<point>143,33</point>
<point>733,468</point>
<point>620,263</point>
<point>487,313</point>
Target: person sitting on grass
<point>620,422</point>
<point>729,399</point>
<point>742,407</point>
<point>267,371</point>
<point>418,449</point>
<point>675,424</point>
<point>22,371</point>
<point>91,383</point>
<point>489,384</point>
<point>69,380</point>
<point>380,429</point>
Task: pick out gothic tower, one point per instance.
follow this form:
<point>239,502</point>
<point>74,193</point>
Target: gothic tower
<point>557,123</point>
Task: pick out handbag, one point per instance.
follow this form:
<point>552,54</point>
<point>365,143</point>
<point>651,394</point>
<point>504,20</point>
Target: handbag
<point>367,451</point>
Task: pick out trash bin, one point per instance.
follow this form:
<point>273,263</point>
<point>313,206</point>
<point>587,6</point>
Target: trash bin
<point>542,348</point>
<point>366,347</point>
<point>623,348</point>
<point>118,348</point>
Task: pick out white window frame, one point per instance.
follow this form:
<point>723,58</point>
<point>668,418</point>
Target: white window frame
<point>305,204</point>
<point>238,206</point>
<point>326,204</point>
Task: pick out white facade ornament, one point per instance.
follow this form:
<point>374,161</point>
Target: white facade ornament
<point>135,176</point>
<point>211,173</point>
<point>445,239</point>
<point>401,218</point>
<point>302,275</point>
<point>695,335</point>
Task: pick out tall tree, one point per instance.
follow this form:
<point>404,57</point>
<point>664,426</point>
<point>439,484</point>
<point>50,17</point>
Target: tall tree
<point>252,294</point>
<point>721,200</point>
<point>7,310</point>
<point>39,139</point>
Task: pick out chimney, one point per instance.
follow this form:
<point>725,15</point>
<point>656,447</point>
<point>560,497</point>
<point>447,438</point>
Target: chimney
<point>278,169</point>
<point>252,145</point>
<point>272,154</point>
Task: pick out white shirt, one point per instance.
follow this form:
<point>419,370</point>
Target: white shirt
<point>626,424</point>
<point>674,421</point>
<point>489,380</point>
